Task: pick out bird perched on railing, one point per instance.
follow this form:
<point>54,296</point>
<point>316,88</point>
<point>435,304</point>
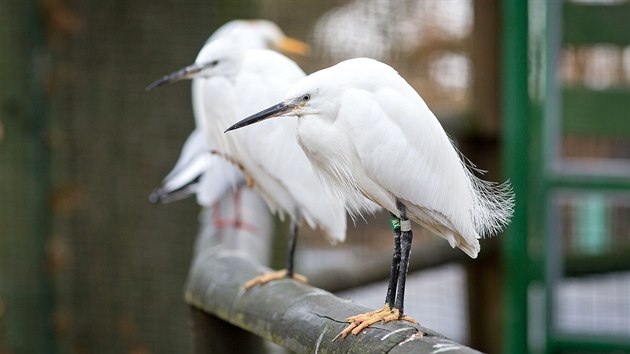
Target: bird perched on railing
<point>233,81</point>
<point>197,171</point>
<point>368,133</point>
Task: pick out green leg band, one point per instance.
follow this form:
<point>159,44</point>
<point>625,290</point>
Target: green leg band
<point>395,222</point>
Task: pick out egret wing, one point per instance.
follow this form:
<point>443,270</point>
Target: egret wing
<point>183,180</point>
<point>406,155</point>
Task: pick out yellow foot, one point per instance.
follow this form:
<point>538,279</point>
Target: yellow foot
<point>271,276</point>
<point>364,320</point>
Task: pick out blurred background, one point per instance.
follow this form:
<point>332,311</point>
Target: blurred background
<point>535,91</point>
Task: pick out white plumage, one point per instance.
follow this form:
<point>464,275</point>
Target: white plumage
<point>198,172</point>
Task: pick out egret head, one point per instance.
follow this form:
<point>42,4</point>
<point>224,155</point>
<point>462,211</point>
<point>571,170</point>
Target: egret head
<point>261,34</point>
<point>312,96</point>
<point>290,45</point>
<point>221,57</point>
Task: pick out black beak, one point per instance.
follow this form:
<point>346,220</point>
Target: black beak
<point>181,74</point>
<point>273,111</point>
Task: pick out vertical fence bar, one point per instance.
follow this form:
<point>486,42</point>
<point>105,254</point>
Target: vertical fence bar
<point>25,287</point>
<point>515,137</point>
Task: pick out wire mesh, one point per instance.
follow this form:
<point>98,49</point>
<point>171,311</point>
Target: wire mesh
<point>594,223</point>
<point>594,306</point>
<point>591,297</point>
<point>122,289</point>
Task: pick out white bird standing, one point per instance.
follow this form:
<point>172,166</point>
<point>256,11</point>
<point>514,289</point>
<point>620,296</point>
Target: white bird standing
<point>197,171</point>
<point>368,134</point>
<point>235,82</point>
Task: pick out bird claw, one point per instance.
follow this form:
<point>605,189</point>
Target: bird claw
<point>408,319</point>
<point>364,316</point>
<point>362,321</point>
<point>271,276</point>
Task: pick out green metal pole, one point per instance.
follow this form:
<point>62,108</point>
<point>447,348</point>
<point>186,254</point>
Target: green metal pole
<point>515,106</point>
<point>25,285</point>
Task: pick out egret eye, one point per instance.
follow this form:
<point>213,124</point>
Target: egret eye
<point>214,63</point>
<point>306,98</point>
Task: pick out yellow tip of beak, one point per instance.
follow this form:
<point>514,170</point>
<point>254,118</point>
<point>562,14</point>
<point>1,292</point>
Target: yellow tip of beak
<point>290,45</point>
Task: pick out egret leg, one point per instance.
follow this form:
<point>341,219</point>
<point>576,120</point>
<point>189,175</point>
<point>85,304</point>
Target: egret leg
<point>394,300</point>
<point>406,238</point>
<point>405,241</point>
<point>393,274</point>
<point>285,273</point>
<point>292,244</point>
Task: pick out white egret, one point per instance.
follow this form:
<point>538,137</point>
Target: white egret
<point>368,133</point>
<point>235,82</point>
<point>198,171</point>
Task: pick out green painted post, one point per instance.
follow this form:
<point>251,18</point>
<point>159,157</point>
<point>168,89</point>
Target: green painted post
<point>25,288</point>
<point>515,106</point>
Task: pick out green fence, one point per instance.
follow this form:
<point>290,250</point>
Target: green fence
<point>567,137</point>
